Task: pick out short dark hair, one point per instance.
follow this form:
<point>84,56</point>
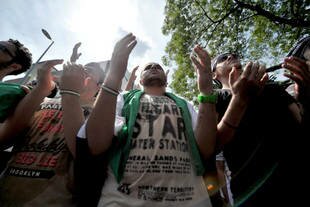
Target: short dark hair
<point>220,58</point>
<point>22,57</point>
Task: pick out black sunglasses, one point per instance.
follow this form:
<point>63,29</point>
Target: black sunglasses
<point>221,58</point>
<point>6,50</point>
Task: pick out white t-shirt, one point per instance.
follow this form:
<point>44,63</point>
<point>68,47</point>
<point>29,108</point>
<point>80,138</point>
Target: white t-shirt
<point>159,171</point>
<point>227,174</point>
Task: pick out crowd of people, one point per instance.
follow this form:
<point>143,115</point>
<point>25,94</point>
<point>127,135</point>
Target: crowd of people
<point>96,145</point>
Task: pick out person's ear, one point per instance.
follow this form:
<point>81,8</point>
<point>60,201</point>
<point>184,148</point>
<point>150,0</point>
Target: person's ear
<point>87,81</point>
<point>214,75</point>
<point>141,82</point>
<point>15,67</point>
<point>10,69</point>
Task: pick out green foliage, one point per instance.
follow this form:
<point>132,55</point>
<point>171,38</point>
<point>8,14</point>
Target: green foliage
<point>228,25</point>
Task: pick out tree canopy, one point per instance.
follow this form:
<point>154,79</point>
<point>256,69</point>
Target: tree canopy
<point>255,29</point>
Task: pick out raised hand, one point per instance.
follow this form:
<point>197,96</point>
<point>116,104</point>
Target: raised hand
<point>167,73</point>
<point>132,79</point>
<point>300,73</point>
<point>119,61</point>
<point>75,55</point>
<point>133,72</point>
<point>45,80</point>
<point>73,77</point>
<point>250,83</point>
<point>100,124</point>
<point>202,64</point>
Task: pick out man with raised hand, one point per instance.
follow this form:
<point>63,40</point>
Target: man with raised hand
<point>261,135</point>
<point>156,159</point>
<point>15,58</point>
<point>43,132</point>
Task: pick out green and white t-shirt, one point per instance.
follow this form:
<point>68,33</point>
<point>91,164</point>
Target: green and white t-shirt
<point>159,170</point>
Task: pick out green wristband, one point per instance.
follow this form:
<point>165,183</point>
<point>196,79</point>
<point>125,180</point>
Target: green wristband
<point>212,98</point>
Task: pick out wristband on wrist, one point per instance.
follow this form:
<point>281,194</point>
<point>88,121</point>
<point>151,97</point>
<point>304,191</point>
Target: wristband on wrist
<point>230,125</point>
<point>212,98</point>
<point>61,92</point>
<point>110,90</point>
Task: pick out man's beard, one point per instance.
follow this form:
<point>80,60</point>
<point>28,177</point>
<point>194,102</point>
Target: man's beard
<point>154,81</point>
<point>5,64</point>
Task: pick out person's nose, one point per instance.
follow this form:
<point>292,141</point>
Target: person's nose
<point>230,57</point>
<point>154,67</point>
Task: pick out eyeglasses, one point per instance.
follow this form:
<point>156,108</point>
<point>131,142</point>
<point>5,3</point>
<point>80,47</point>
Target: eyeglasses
<point>154,65</point>
<point>5,49</point>
<point>221,58</point>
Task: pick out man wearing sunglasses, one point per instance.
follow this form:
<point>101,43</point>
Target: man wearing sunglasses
<point>260,150</point>
<point>14,58</point>
<point>42,160</point>
<point>222,66</point>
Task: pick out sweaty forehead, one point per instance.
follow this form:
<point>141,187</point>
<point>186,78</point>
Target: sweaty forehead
<point>150,63</point>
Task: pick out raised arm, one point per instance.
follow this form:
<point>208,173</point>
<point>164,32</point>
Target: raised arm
<point>25,109</point>
<point>300,74</point>
<point>244,87</point>
<point>72,80</point>
<point>205,130</point>
<point>132,79</point>
<point>75,54</point>
<point>100,125</point>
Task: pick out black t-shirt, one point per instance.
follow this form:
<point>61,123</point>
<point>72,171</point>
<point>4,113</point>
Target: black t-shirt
<point>260,155</point>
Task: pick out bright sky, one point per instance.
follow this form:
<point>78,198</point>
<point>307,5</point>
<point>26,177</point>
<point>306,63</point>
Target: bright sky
<point>98,24</point>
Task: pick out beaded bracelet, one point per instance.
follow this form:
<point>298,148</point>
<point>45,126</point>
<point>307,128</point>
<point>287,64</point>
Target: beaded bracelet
<point>110,90</point>
<point>230,125</point>
<point>69,92</point>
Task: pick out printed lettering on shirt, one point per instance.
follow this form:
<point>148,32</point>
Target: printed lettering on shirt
<point>159,154</point>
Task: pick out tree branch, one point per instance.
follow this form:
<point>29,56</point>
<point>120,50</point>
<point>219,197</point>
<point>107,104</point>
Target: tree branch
<point>227,14</point>
<point>291,3</point>
<point>211,35</point>
<point>261,12</point>
<point>204,11</point>
<point>213,22</point>
<point>248,17</point>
